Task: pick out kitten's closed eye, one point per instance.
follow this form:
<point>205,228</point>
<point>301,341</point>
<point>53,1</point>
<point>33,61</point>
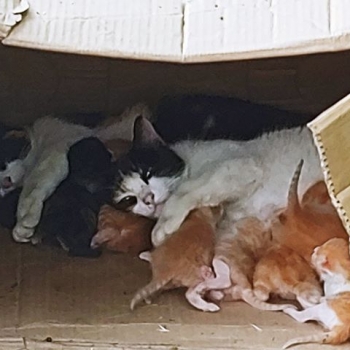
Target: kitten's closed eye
<point>3,166</point>
<point>126,202</point>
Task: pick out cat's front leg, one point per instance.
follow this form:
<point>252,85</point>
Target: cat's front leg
<point>39,185</point>
<point>232,180</point>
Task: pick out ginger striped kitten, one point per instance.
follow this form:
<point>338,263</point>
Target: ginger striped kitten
<point>184,260</point>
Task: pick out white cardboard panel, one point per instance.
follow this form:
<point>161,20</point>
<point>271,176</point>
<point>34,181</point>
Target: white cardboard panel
<point>183,30</point>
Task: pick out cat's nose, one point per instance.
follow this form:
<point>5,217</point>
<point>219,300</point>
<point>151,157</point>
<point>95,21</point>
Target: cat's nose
<point>7,182</point>
<point>149,199</point>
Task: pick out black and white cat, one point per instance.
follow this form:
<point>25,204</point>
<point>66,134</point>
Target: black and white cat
<point>167,182</point>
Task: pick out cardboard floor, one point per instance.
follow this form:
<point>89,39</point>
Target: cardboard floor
<point>51,301</point>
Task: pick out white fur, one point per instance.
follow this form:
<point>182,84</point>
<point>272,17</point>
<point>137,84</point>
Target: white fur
<point>46,164</point>
<point>15,171</point>
<point>254,176</point>
<point>150,197</point>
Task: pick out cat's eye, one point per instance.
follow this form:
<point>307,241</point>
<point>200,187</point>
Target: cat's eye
<point>3,166</point>
<point>126,202</point>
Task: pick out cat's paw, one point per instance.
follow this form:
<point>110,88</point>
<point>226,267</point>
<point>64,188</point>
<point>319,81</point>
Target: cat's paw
<point>158,234</point>
<point>22,234</point>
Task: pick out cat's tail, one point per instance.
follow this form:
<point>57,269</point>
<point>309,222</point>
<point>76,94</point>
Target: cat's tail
<point>122,127</point>
<point>338,335</point>
<point>146,292</point>
<point>250,298</point>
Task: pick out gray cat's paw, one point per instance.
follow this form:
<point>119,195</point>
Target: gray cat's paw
<point>22,234</point>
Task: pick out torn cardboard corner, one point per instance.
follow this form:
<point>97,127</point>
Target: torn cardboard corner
<point>11,13</point>
<point>183,30</point>
<point>331,134</point>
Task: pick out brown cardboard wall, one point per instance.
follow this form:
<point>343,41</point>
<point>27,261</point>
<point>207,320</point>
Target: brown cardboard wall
<point>34,83</point>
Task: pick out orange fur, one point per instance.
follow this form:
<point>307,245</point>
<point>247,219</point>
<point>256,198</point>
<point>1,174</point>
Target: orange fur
<point>283,270</point>
<point>240,252</point>
<point>306,225</point>
<point>332,262</point>
<point>285,273</point>
<point>184,257</point>
<point>122,231</point>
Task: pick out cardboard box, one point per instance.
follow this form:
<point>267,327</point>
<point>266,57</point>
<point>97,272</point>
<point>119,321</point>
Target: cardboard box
<point>50,301</point>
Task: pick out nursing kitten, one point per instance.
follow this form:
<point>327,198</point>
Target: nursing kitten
<point>281,270</point>
<point>184,259</point>
<point>332,262</point>
<point>252,176</point>
<point>122,232</point>
<point>46,164</point>
<point>310,223</point>
<point>236,255</point>
<point>205,117</point>
<point>70,214</point>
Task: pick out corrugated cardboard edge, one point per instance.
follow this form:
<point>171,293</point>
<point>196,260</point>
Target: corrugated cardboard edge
<point>11,13</point>
<point>318,126</point>
<point>185,31</point>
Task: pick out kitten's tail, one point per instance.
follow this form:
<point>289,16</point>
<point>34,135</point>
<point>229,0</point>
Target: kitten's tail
<point>250,298</point>
<point>293,199</point>
<point>338,335</point>
<point>146,292</point>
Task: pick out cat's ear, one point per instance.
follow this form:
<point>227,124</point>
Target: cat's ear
<point>144,132</point>
<point>282,218</point>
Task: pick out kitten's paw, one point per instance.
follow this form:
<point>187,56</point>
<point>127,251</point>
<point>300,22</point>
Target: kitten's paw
<point>262,293</point>
<point>309,298</point>
<point>216,295</point>
<point>291,311</point>
<point>288,306</point>
<point>22,234</point>
<point>211,307</point>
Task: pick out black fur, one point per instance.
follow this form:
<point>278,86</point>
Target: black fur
<point>203,117</point>
<point>70,215</point>
<point>149,157</point>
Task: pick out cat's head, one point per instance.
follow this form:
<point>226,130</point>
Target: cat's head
<point>147,174</point>
<point>332,258</point>
<point>90,165</point>
<point>11,165</point>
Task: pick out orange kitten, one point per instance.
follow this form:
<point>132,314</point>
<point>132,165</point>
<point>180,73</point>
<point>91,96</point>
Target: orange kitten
<point>184,259</point>
<point>306,225</point>
<point>332,262</point>
<point>123,232</point>
<point>282,271</point>
<point>235,258</point>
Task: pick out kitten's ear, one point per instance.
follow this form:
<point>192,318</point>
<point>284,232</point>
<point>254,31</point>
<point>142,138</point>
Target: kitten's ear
<point>144,132</point>
<point>282,218</point>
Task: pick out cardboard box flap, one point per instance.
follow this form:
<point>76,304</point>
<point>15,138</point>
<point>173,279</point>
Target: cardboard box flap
<point>11,12</point>
<point>184,30</point>
<point>331,135</point>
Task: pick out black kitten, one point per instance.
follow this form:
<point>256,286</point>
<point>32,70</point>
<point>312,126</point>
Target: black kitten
<point>70,215</point>
<point>203,117</point>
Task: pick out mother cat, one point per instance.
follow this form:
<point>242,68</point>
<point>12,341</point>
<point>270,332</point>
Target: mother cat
<point>252,177</point>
